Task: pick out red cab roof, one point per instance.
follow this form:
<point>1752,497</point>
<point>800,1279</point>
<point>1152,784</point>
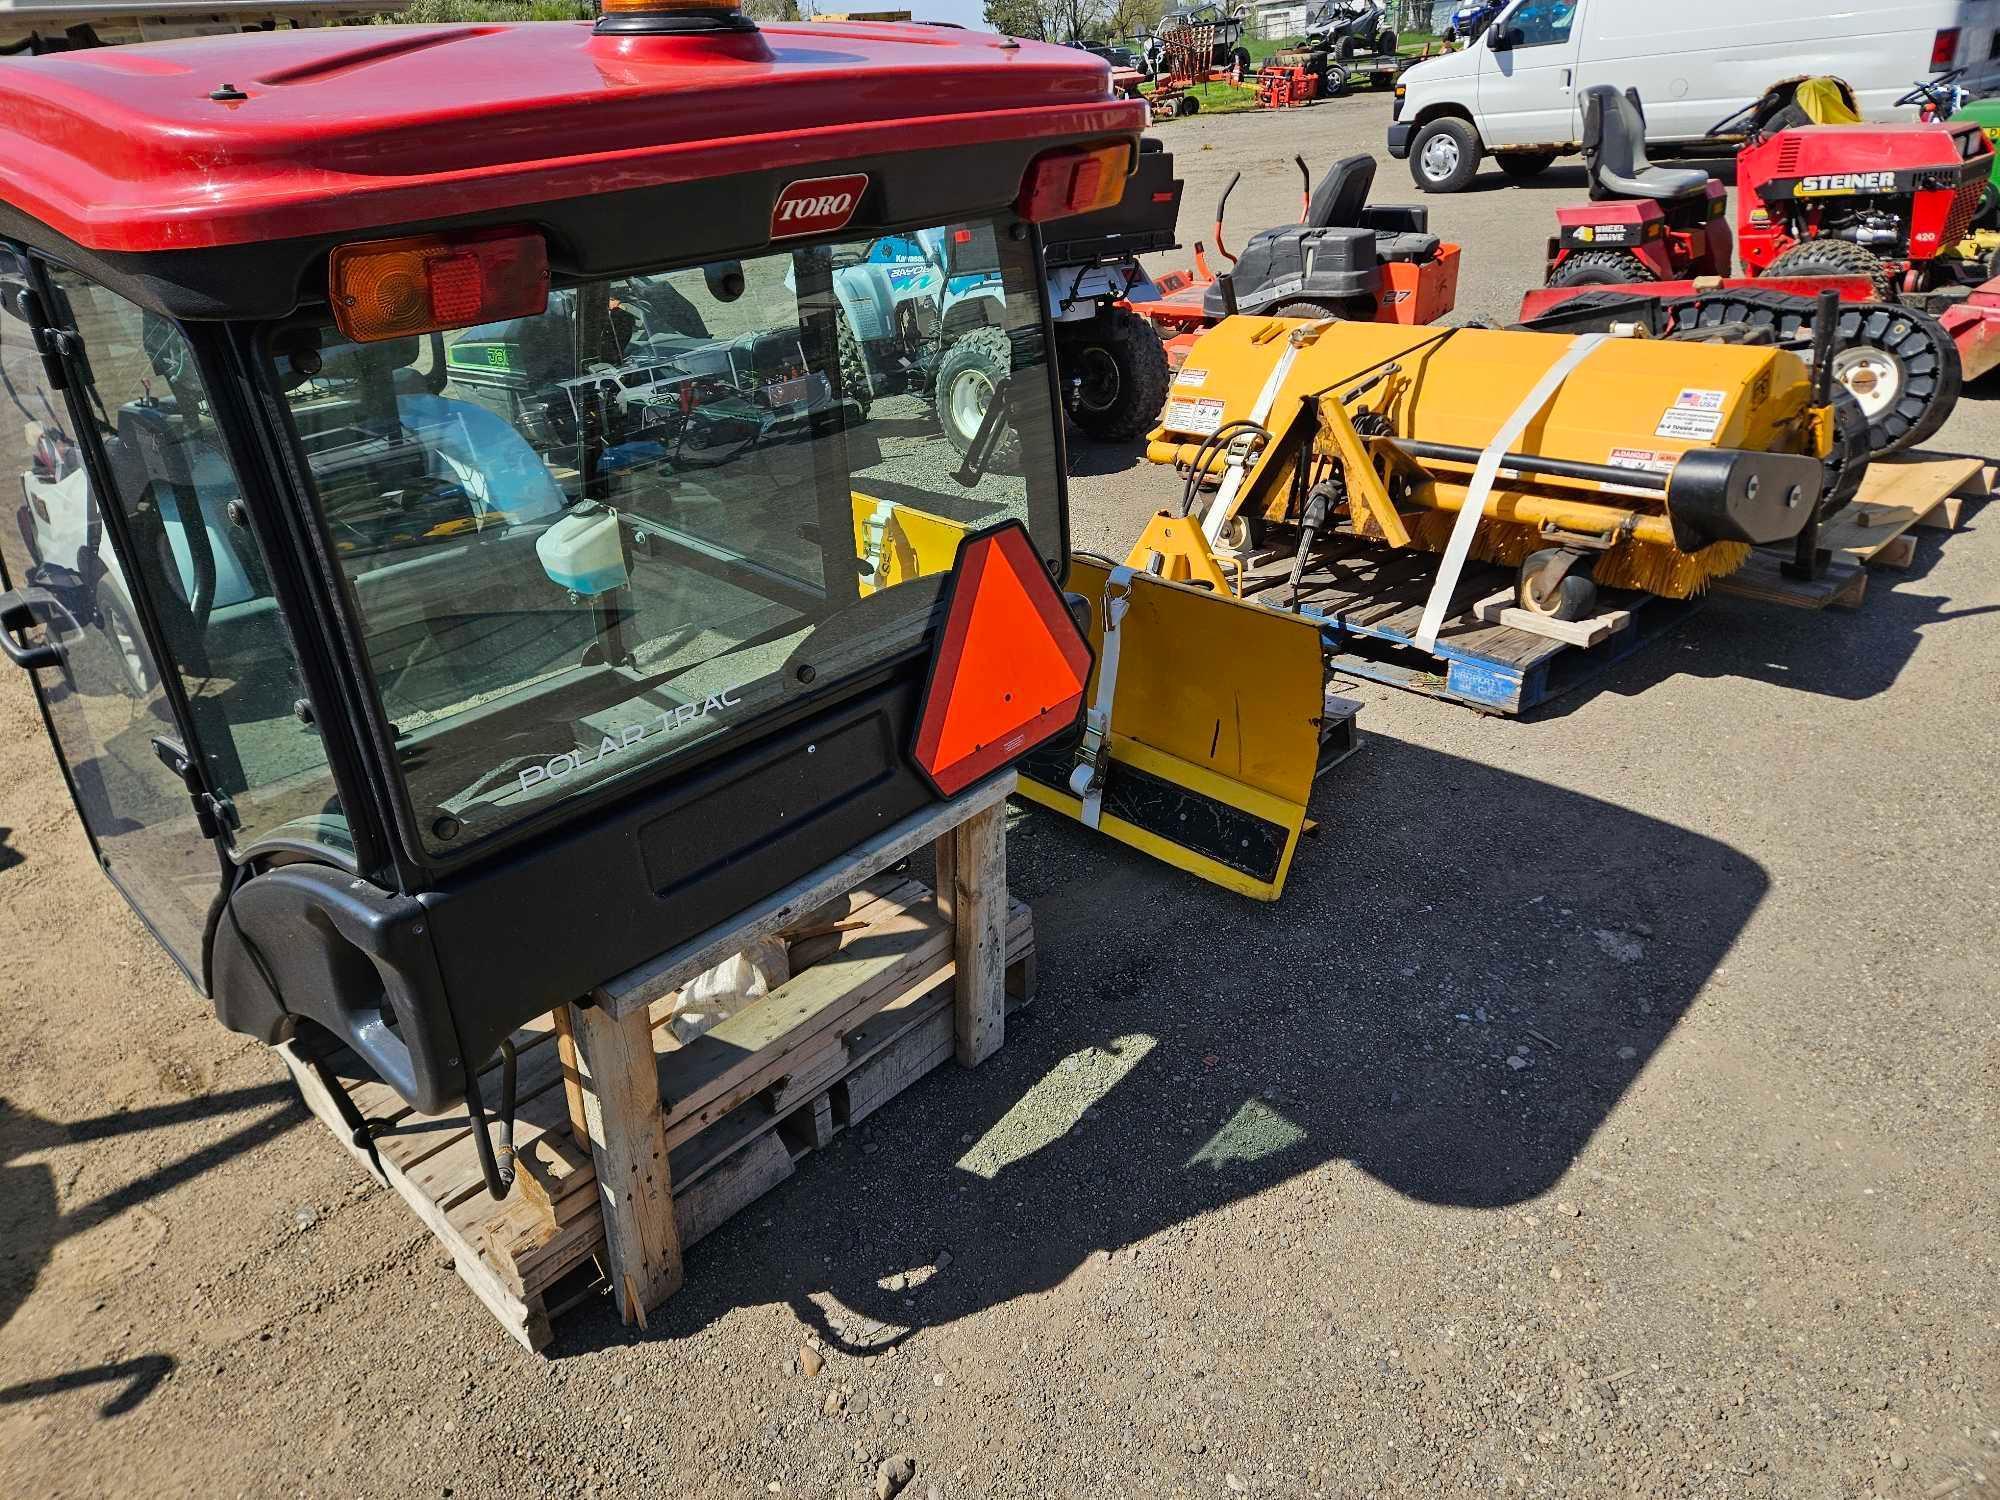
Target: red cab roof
<point>149,148</point>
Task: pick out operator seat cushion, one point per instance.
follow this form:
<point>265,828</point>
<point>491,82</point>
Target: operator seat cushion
<point>1342,194</point>
<point>1614,144</point>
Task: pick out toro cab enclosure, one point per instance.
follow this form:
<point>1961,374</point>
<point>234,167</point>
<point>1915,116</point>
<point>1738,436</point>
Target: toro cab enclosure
<point>453,562</point>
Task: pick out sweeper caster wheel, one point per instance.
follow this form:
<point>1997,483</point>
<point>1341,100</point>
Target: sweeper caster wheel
<point>1574,596</point>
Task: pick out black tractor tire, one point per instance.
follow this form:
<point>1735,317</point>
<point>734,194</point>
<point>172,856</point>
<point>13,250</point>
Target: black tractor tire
<point>1385,44</point>
<point>1239,59</point>
<point>853,368</point>
<point>1525,166</point>
<point>1455,160</point>
<point>1350,47</point>
<point>1114,375</point>
<point>1334,81</point>
<point>1905,351</point>
<point>1988,214</point>
<point>1602,268</point>
<point>1847,465</point>
<point>1575,597</point>
<point>1186,105</point>
<point>977,355</point>
<point>1834,258</point>
<point>1301,308</point>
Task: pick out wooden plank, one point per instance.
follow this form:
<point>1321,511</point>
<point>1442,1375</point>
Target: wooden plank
<point>746,1053</point>
<point>809,1075</point>
<point>551,1171</point>
<point>1500,609</point>
<point>628,1143</point>
<point>1842,586</point>
<point>641,986</point>
<point>579,1123</point>
<point>1944,516</point>
<point>916,1052</point>
<point>745,1177</point>
<point>978,912</point>
<point>1898,553</point>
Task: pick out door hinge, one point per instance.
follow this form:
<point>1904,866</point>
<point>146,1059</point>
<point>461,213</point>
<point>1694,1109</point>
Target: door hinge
<point>55,345</point>
<point>214,816</point>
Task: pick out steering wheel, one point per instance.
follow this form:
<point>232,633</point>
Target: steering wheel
<point>1942,91</point>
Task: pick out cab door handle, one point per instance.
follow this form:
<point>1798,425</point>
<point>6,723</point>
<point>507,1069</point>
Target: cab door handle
<point>20,610</point>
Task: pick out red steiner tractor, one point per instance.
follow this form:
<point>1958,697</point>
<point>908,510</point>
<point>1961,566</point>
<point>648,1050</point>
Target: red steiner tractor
<point>1880,214</point>
<point>415,664</point>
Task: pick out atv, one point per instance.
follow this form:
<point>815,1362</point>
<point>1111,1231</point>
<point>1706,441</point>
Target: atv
<point>1348,29</point>
<point>1468,23</point>
<point>1224,24</point>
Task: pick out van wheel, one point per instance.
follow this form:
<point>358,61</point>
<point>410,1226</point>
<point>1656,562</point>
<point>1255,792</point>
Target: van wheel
<point>1525,166</point>
<point>1444,157</point>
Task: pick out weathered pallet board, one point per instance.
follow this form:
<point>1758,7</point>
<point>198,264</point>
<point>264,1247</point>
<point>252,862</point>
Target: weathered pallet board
<point>1897,496</point>
<point>790,1080</point>
<point>1369,605</point>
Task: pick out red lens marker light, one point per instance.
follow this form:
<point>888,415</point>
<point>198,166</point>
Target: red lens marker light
<point>1010,666</point>
<point>1074,180</point>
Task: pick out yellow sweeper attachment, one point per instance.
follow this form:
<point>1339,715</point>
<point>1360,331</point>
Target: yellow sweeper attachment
<point>1640,465</point>
<point>1593,460</point>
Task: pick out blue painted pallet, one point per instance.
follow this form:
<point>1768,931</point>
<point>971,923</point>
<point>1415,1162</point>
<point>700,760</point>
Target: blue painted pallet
<point>1370,602</point>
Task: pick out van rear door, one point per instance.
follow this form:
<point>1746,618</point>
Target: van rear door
<point>1527,75</point>
<point>1977,46</point>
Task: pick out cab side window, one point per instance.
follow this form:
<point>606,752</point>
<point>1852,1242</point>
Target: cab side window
<point>1541,23</point>
<point>197,561</point>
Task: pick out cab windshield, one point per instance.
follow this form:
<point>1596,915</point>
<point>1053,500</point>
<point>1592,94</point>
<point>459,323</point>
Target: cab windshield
<point>583,543</point>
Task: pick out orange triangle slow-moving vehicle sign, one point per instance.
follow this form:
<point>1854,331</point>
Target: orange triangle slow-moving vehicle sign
<point>1010,666</point>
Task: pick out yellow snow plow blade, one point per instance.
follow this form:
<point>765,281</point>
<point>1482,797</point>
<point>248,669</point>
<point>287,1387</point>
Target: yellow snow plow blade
<point>1202,747</point>
<point>898,543</point>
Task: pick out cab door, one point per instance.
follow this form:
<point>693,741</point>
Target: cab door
<point>70,617</point>
<point>1527,75</point>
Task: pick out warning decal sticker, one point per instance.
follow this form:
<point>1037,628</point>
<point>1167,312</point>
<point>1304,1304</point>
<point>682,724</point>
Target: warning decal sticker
<point>1202,416</point>
<point>1696,416</point>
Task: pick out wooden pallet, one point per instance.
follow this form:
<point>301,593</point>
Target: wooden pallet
<point>1898,496</point>
<point>740,1104</point>
<point>1369,604</point>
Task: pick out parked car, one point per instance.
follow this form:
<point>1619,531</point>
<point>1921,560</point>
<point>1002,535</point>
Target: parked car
<point>1514,93</point>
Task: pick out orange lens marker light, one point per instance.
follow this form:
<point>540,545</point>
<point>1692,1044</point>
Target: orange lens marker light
<point>1010,667</point>
<point>1074,181</point>
<point>385,289</point>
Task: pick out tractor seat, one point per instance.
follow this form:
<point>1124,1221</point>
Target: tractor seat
<point>1342,194</point>
<point>1614,146</point>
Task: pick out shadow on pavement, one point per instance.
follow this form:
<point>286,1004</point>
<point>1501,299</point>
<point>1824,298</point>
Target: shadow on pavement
<point>1468,970</point>
<point>9,855</point>
<point>138,1376</point>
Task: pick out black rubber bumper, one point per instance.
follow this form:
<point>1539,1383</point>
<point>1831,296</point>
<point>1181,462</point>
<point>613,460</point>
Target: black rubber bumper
<point>1729,495</point>
<point>1399,139</point>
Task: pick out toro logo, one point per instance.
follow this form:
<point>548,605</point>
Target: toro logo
<point>1835,183</point>
<point>816,205</point>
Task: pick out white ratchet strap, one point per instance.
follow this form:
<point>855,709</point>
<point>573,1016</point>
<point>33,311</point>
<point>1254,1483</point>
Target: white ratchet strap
<point>1243,451</point>
<point>1481,489</point>
<point>1087,779</point>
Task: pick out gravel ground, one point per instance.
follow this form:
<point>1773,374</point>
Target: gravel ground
<point>1608,1108</point>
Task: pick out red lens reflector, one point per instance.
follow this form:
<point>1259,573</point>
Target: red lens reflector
<point>385,289</point>
<point>1010,667</point>
<point>1944,48</point>
<point>1074,180</point>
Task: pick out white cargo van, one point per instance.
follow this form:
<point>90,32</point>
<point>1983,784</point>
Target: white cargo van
<point>1513,93</point>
